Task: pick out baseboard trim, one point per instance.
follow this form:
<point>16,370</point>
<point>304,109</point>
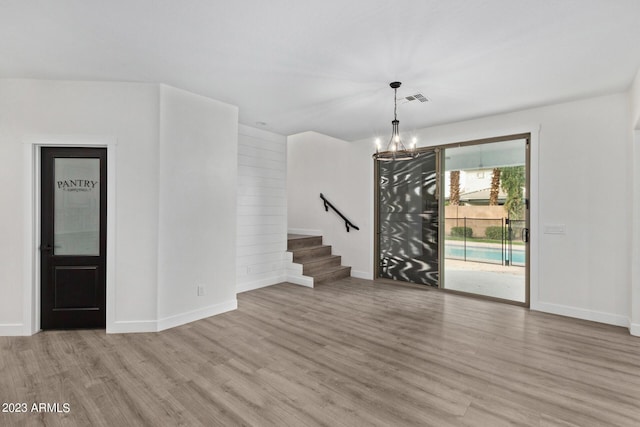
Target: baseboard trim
<point>634,329</point>
<point>12,330</point>
<point>140,326</point>
<point>263,283</point>
<point>192,316</point>
<point>305,231</point>
<point>300,280</point>
<point>580,313</point>
<point>133,326</point>
<point>361,275</point>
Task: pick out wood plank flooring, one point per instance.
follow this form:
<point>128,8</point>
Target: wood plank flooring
<point>349,353</point>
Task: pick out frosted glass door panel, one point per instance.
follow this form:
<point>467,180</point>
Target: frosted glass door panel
<point>77,206</point>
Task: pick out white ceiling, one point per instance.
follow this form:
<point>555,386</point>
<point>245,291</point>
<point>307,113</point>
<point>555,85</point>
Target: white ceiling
<point>325,65</point>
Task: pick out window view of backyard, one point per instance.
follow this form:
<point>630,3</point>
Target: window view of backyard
<point>485,220</point>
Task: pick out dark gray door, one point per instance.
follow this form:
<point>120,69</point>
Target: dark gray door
<point>73,237</point>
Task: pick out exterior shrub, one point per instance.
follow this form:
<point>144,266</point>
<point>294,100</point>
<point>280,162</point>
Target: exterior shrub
<point>495,233</point>
<point>461,231</point>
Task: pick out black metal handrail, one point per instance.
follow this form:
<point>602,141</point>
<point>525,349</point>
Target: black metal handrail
<point>327,205</point>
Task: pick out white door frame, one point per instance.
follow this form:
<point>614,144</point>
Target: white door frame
<point>31,286</point>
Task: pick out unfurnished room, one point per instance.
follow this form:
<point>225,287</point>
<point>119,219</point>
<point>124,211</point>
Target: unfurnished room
<point>337,213</point>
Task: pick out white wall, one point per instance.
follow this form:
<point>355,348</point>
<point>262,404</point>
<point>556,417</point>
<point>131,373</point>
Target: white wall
<point>197,207</point>
<point>32,110</point>
<point>581,178</point>
<point>342,171</point>
<point>127,112</point>
<point>586,272</point>
<point>262,208</point>
<point>634,301</point>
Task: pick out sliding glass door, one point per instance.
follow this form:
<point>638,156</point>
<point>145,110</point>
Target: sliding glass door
<point>407,213</point>
<point>485,221</point>
<point>456,217</point>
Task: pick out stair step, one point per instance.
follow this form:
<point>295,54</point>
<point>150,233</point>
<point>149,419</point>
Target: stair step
<point>297,241</point>
<point>316,264</point>
<point>311,252</point>
<point>330,274</point>
<point>312,262</point>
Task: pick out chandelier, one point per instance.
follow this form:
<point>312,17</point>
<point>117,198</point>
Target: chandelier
<point>396,150</point>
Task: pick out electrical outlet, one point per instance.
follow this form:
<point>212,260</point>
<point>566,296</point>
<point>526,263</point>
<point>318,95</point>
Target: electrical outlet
<point>200,290</point>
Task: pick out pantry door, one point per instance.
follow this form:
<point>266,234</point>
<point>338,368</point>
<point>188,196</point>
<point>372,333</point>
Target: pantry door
<point>73,237</point>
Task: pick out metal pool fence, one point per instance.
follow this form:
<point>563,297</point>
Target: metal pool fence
<point>489,240</point>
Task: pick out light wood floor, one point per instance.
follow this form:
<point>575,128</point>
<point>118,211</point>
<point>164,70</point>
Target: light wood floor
<point>349,353</point>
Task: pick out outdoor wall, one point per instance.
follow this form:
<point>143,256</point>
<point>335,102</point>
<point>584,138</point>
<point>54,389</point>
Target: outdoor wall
<point>473,213</point>
<point>342,171</point>
<point>197,207</point>
<point>262,208</point>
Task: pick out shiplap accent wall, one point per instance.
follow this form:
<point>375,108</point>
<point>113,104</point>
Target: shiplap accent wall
<point>262,208</point>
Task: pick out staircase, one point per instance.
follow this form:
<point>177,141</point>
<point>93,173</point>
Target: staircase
<point>311,262</point>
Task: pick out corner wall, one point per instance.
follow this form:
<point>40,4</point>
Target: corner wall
<point>343,172</point>
<point>262,208</point>
<point>634,300</point>
<point>175,197</point>
<point>197,207</point>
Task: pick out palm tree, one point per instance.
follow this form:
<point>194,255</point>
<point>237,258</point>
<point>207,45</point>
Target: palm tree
<point>495,187</point>
<point>454,188</point>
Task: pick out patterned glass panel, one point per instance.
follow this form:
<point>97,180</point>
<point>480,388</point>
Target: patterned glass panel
<point>408,220</point>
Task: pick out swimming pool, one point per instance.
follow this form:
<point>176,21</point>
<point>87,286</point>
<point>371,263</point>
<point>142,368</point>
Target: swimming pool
<point>483,254</point>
